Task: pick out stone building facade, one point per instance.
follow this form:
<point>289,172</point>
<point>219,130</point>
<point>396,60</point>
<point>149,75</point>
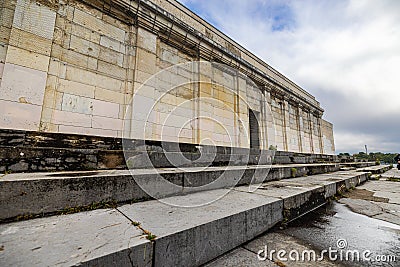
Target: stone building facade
<point>86,67</point>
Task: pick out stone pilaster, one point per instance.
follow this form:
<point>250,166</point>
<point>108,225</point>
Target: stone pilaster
<point>311,131</point>
<point>286,125</point>
<point>300,127</point>
<point>145,68</point>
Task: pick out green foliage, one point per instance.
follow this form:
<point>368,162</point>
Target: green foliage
<point>393,179</point>
<point>377,157</point>
<point>136,224</point>
<point>293,172</point>
<point>150,236</point>
<point>274,148</point>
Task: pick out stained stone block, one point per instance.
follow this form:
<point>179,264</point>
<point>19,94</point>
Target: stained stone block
<point>97,238</point>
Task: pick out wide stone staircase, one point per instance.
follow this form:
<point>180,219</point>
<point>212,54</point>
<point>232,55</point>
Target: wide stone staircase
<point>185,215</point>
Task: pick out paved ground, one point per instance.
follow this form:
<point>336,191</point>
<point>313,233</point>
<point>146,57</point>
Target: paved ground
<point>376,199</point>
<point>247,255</point>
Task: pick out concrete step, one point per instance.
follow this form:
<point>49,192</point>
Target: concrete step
<point>30,195</point>
<point>376,169</point>
<point>154,233</point>
<point>357,164</point>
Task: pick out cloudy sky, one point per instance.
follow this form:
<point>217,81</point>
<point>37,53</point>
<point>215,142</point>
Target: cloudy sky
<point>344,52</point>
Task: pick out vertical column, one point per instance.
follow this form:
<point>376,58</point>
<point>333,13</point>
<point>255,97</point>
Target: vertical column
<point>24,73</point>
<point>321,144</point>
<point>130,64</point>
<point>300,127</point>
<point>205,109</point>
<point>270,127</point>
<point>286,125</point>
<point>196,85</point>
<point>311,132</point>
<point>145,68</point>
<point>242,120</point>
<point>264,120</point>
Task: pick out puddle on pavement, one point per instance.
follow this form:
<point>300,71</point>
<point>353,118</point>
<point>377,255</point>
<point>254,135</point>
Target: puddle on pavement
<point>323,228</point>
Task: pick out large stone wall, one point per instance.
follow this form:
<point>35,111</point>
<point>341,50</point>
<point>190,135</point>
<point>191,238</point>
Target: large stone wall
<point>73,67</point>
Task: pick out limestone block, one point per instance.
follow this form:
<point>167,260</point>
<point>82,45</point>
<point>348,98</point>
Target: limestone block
<point>21,84</point>
<point>3,52</point>
<point>27,59</point>
<point>112,44</point>
<point>81,75</point>
<point>142,77</point>
<point>54,67</point>
<point>1,70</point>
<point>87,131</point>
<point>6,17</point>
<point>146,61</point>
<point>75,88</point>
<point>77,104</point>
<point>96,24</point>
<point>110,83</point>
<point>30,42</point>
<point>19,116</point>
<point>52,97</point>
<point>85,33</point>
<point>72,119</point>
<point>110,96</point>
<point>146,91</point>
<point>129,60</point>
<point>111,70</point>
<point>84,46</point>
<point>115,22</point>
<point>107,123</point>
<point>74,58</point>
<point>61,35</point>
<point>34,18</point>
<point>111,56</point>
<point>147,40</point>
<point>169,56</point>
<point>5,34</point>
<point>105,109</point>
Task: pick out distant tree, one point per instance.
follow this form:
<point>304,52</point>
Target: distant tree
<point>376,156</point>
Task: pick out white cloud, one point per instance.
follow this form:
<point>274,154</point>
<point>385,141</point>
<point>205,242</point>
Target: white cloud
<point>346,53</point>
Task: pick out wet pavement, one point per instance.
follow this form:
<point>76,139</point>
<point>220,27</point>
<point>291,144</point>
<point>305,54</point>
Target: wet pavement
<point>324,229</point>
<point>336,225</point>
<point>364,232</point>
<point>377,199</point>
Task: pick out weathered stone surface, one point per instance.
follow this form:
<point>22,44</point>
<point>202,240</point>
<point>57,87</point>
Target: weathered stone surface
<point>204,232</point>
<point>42,193</point>
<point>29,90</point>
<point>240,257</point>
<point>96,238</point>
<point>277,242</point>
<point>38,145</point>
<point>23,194</point>
<point>362,206</point>
<point>214,225</point>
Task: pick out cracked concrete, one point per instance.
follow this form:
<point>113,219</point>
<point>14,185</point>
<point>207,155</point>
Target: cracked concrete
<point>377,199</point>
<point>90,238</point>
